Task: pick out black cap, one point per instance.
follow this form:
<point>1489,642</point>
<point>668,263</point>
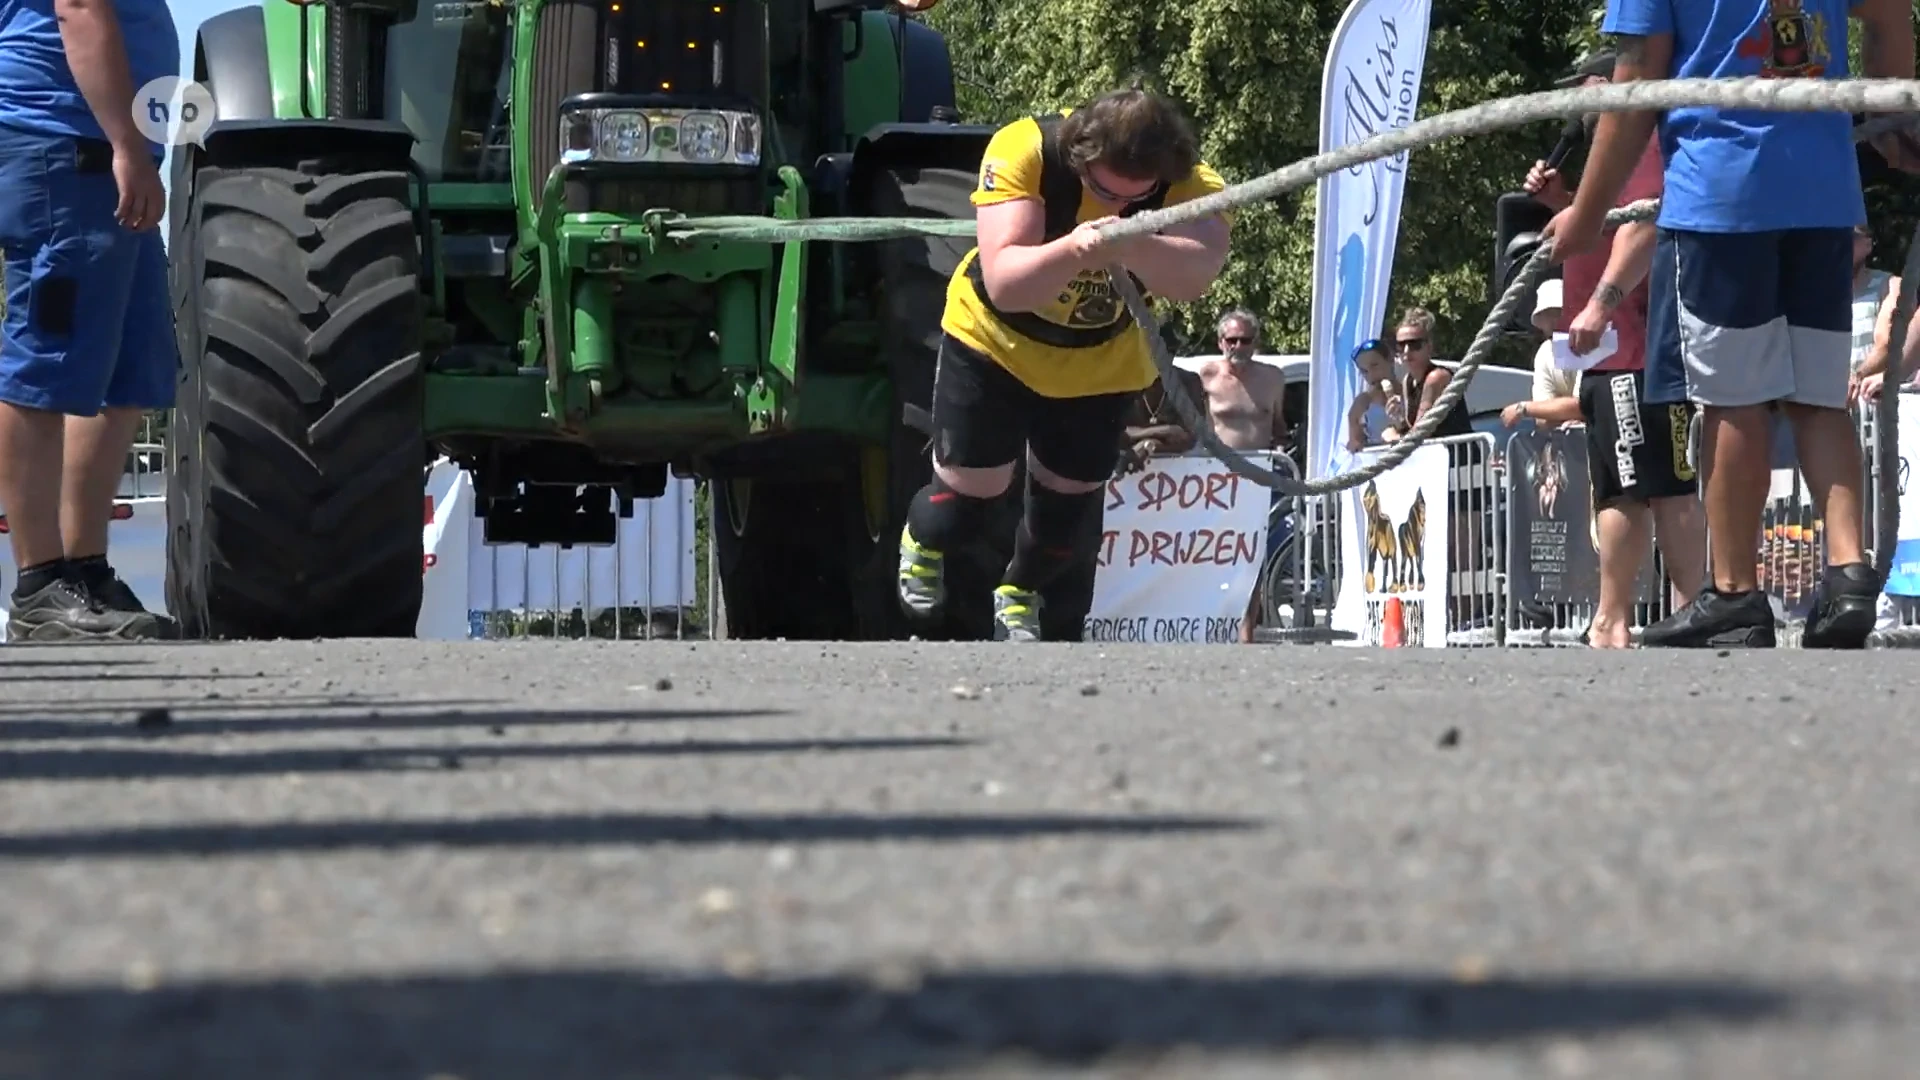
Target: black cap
<point>1599,63</point>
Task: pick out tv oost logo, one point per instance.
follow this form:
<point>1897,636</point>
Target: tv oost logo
<point>174,112</point>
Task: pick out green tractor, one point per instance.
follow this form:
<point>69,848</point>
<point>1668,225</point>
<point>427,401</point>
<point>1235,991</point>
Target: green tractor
<point>424,229</point>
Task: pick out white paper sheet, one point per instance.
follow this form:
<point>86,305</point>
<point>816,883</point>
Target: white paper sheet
<point>1566,359</point>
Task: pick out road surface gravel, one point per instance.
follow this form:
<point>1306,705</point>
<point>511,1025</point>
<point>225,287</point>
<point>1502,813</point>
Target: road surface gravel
<point>492,861</point>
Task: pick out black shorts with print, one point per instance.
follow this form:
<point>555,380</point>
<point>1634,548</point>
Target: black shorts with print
<point>1635,451</point>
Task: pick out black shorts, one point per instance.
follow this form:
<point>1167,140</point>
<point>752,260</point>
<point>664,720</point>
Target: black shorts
<point>1635,451</point>
<point>984,417</point>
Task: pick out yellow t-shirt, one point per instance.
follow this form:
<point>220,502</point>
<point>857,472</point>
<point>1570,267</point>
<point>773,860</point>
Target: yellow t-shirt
<point>1009,170</point>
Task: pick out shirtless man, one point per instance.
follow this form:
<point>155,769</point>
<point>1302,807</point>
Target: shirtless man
<point>1243,395</point>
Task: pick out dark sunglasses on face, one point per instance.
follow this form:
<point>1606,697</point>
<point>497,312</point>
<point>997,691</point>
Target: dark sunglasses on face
<point>1101,191</point>
<point>1405,344</point>
<point>1237,340</point>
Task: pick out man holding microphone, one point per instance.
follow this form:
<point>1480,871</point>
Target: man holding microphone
<point>1637,457</point>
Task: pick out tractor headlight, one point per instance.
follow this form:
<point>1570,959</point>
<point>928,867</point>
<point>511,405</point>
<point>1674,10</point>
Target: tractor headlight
<point>703,138</point>
<point>660,136</point>
<point>623,136</point>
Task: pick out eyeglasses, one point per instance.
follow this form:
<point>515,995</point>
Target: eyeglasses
<point>1237,340</point>
<point>1101,191</point>
<point>1371,345</point>
<point>1409,344</point>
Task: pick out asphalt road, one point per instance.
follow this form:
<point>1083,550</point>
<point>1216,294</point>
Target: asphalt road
<point>357,861</point>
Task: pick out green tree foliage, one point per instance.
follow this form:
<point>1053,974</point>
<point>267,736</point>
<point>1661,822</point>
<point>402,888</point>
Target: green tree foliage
<point>1248,72</point>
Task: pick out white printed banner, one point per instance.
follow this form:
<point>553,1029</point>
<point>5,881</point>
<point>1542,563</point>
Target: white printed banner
<point>1371,85</point>
<point>1903,579</point>
<point>1393,546</point>
<point>1183,548</point>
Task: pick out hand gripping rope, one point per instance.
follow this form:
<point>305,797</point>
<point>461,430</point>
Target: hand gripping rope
<point>1896,96</point>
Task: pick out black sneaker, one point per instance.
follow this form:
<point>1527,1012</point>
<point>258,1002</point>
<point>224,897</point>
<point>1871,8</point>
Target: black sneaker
<point>1844,613</point>
<point>116,595</point>
<point>1715,620</point>
<point>67,610</point>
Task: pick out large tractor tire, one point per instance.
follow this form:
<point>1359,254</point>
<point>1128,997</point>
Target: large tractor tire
<point>781,547</point>
<point>295,506</point>
<point>914,275</point>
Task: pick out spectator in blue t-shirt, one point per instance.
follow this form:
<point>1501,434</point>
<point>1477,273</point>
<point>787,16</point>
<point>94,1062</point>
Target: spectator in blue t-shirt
<point>87,344</point>
<point>1750,294</point>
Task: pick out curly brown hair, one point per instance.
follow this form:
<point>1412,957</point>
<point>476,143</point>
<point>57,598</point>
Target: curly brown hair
<point>1134,132</point>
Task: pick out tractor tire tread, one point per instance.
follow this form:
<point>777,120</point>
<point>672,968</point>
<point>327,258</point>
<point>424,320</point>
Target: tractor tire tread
<point>313,391</point>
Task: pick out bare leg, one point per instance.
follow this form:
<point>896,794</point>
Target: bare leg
<point>1737,452</point>
<point>96,454</point>
<point>1830,460</point>
<point>30,466</point>
<point>1623,545</point>
<point>1680,528</point>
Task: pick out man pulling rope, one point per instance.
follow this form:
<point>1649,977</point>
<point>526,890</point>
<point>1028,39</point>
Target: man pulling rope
<point>1039,358</point>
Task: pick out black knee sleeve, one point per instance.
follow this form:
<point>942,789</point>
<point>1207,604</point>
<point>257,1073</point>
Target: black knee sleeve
<point>1051,535</point>
<point>941,518</point>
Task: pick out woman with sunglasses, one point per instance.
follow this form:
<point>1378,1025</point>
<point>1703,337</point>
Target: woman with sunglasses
<point>1039,357</point>
<point>1424,380</point>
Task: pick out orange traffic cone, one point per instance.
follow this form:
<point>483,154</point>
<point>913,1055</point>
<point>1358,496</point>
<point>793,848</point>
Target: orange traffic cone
<point>1393,631</point>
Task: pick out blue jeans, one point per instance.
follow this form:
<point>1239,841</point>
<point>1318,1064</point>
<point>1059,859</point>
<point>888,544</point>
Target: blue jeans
<point>89,324</point>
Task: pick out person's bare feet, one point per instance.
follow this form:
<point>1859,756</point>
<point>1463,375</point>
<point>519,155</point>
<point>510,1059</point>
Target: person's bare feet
<point>1607,634</point>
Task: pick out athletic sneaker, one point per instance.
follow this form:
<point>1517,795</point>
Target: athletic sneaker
<point>921,590</point>
<point>1016,614</point>
<point>1845,611</point>
<point>1716,620</point>
<point>67,610</point>
<point>116,595</point>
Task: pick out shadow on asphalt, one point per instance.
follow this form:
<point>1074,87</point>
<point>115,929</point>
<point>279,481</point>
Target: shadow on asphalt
<point>103,764</point>
<point>12,664</point>
<point>124,676</point>
<point>178,697</point>
<point>356,714</point>
<point>593,1025</point>
<point>567,830</point>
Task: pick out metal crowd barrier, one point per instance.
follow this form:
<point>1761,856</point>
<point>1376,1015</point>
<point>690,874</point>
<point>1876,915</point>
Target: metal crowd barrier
<point>1476,585</point>
<point>1303,580</point>
<point>627,590</point>
<point>1553,571</point>
<point>1553,584</point>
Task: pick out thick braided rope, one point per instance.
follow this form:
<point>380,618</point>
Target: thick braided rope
<point>1860,95</point>
<point>1778,95</point>
<point>1897,96</point>
<point>1200,422</point>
